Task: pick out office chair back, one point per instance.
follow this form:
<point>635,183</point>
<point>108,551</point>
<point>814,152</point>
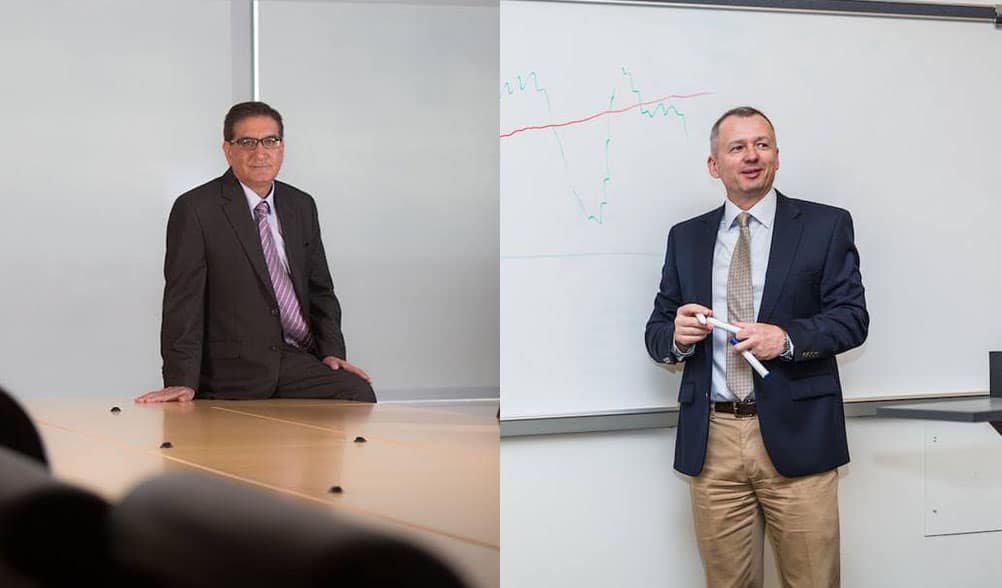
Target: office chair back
<point>50,532</point>
<point>195,530</point>
<point>17,432</point>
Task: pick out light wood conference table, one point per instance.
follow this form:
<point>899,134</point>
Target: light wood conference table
<point>430,475</point>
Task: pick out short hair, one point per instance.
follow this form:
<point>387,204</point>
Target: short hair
<point>740,112</point>
<point>247,110</point>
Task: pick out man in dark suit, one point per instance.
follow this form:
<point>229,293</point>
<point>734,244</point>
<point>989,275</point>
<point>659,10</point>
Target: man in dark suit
<point>249,307</point>
<point>760,450</point>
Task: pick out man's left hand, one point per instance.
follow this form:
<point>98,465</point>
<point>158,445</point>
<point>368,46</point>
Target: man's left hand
<point>336,363</point>
<point>763,340</point>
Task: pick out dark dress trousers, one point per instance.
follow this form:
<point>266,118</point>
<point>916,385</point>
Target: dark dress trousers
<point>221,333</point>
<point>814,291</point>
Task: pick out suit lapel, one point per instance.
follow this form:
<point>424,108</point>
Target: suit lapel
<point>785,240</point>
<point>705,242</point>
<point>238,214</point>
<point>292,234</point>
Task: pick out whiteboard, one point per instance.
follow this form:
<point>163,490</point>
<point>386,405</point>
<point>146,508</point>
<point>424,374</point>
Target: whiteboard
<point>605,117</point>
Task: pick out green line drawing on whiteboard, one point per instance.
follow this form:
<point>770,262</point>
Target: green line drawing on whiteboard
<point>665,110</point>
<point>523,84</point>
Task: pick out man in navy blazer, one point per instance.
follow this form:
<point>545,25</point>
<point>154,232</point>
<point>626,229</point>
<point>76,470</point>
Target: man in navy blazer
<point>768,459</point>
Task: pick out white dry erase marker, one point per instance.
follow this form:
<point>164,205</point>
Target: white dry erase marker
<point>751,359</point>
<point>725,326</point>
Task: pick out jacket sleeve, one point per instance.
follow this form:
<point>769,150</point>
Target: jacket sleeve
<point>325,310</point>
<point>843,321</point>
<point>660,332</point>
<point>181,331</point>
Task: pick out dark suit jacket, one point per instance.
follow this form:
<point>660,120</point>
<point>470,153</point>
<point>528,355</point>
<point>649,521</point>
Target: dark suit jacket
<point>221,332</point>
<point>814,291</point>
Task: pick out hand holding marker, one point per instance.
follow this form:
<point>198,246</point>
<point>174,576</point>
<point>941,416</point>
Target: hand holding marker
<point>751,359</point>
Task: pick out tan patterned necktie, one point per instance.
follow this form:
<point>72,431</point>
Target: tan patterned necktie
<point>740,307</point>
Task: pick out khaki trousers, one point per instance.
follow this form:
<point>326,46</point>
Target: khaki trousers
<point>739,492</point>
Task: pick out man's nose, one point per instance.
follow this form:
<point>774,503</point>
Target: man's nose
<point>751,154</point>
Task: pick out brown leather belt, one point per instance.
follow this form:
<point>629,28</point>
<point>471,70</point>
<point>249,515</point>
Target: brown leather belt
<point>738,409</point>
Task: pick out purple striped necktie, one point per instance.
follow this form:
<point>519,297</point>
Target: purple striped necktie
<point>293,325</point>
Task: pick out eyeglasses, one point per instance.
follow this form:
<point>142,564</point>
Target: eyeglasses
<point>250,143</point>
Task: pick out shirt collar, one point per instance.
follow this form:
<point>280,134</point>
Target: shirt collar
<point>253,199</point>
<point>764,211</point>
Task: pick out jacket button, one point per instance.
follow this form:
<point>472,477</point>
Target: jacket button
<point>274,312</point>
<point>274,347</point>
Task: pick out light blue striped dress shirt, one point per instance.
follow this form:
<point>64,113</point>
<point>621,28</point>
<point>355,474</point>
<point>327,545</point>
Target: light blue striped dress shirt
<point>276,232</point>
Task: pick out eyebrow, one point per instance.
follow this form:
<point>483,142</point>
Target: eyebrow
<point>754,140</point>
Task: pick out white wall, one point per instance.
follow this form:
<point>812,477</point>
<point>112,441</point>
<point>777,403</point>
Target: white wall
<point>108,116</point>
<point>606,509</point>
<point>391,123</point>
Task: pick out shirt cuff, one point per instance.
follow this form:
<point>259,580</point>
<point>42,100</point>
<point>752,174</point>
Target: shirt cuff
<point>679,354</point>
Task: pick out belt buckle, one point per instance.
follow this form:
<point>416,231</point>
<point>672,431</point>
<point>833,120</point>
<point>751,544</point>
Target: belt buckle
<point>739,411</point>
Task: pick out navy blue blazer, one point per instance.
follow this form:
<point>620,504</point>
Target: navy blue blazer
<point>814,291</point>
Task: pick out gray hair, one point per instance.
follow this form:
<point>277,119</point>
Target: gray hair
<point>740,112</point>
